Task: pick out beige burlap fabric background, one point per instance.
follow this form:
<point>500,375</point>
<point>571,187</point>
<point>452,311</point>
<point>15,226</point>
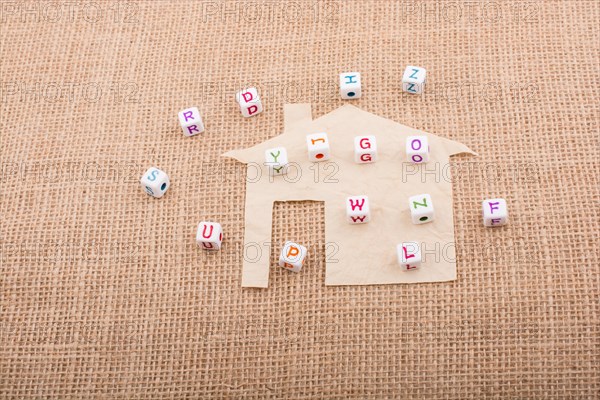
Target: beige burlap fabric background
<point>105,295</point>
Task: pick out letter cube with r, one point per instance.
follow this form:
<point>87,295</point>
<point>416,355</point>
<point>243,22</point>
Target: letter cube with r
<point>191,121</point>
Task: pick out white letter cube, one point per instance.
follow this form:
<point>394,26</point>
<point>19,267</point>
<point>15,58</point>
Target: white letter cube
<point>413,80</point>
<point>191,121</point>
<point>417,149</point>
<point>249,102</point>
<point>421,208</point>
<point>276,160</point>
<point>365,149</point>
<point>409,255</point>
<point>357,209</point>
<point>318,147</point>
<point>155,182</point>
<point>292,256</point>
<point>350,85</point>
<point>209,235</point>
<point>495,212</point>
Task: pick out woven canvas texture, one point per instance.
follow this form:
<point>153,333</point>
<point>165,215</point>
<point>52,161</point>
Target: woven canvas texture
<point>105,295</point>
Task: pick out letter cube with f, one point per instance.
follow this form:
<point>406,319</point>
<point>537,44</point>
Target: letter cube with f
<point>249,102</point>
<point>365,149</point>
<point>495,212</point>
<point>191,121</point>
<point>350,85</point>
<point>357,209</point>
<point>292,256</point>
<point>209,235</point>
<point>409,255</point>
<point>417,149</point>
<point>318,147</point>
<point>276,161</point>
<point>421,209</point>
<point>155,182</point>
<point>413,80</point>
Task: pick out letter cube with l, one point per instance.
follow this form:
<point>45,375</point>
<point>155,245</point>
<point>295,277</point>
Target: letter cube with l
<point>292,256</point>
<point>409,255</point>
<point>209,235</point>
<point>249,102</point>
<point>350,85</point>
<point>357,209</point>
<point>421,209</point>
<point>417,149</point>
<point>495,212</point>
<point>191,121</point>
<point>413,80</point>
<point>365,149</point>
<point>318,147</point>
<point>276,160</point>
<point>155,182</point>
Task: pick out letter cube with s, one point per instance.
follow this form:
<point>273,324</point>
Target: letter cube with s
<point>421,209</point>
<point>357,209</point>
<point>318,147</point>
<point>409,255</point>
<point>276,160</point>
<point>417,149</point>
<point>413,80</point>
<point>365,149</point>
<point>209,235</point>
<point>155,182</point>
<point>495,212</point>
<point>249,102</point>
<point>292,256</point>
<point>350,85</point>
<point>191,121</point>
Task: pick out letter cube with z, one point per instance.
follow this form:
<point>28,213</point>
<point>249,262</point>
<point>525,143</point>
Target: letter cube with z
<point>365,149</point>
<point>413,80</point>
<point>495,212</point>
<point>249,102</point>
<point>155,182</point>
<point>409,255</point>
<point>191,121</point>
<point>209,235</point>
<point>276,160</point>
<point>357,209</point>
<point>318,147</point>
<point>292,256</point>
<point>421,209</point>
<point>417,149</point>
<point>350,85</point>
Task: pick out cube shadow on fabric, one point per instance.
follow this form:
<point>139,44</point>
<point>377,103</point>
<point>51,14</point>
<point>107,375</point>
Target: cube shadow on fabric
<point>209,235</point>
<point>155,182</point>
<point>495,212</point>
<point>292,256</point>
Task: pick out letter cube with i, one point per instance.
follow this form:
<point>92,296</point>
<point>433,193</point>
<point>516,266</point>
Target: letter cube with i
<point>155,182</point>
<point>249,102</point>
<point>318,147</point>
<point>276,160</point>
<point>413,80</point>
<point>409,255</point>
<point>495,212</point>
<point>421,209</point>
<point>417,149</point>
<point>357,209</point>
<point>292,256</point>
<point>209,235</point>
<point>350,85</point>
<point>365,149</point>
<point>191,121</point>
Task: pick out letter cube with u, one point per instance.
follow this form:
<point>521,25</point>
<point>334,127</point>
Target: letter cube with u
<point>155,182</point>
<point>365,149</point>
<point>421,209</point>
<point>249,102</point>
<point>413,80</point>
<point>292,256</point>
<point>357,209</point>
<point>495,212</point>
<point>276,161</point>
<point>209,235</point>
<point>409,255</point>
<point>191,121</point>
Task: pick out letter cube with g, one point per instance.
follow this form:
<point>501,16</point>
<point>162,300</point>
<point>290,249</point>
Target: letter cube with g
<point>155,182</point>
<point>276,160</point>
<point>292,256</point>
<point>209,235</point>
<point>421,209</point>
<point>495,212</point>
<point>357,209</point>
<point>413,80</point>
<point>417,149</point>
<point>365,149</point>
<point>318,147</point>
<point>191,121</point>
<point>409,255</point>
<point>249,102</point>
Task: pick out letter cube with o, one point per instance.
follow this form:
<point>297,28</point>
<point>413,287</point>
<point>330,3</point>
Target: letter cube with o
<point>249,102</point>
<point>409,255</point>
<point>276,161</point>
<point>365,149</point>
<point>292,256</point>
<point>318,147</point>
<point>350,85</point>
<point>191,121</point>
<point>357,209</point>
<point>155,182</point>
<point>495,212</point>
<point>417,149</point>
<point>209,235</point>
<point>413,80</point>
<point>421,209</point>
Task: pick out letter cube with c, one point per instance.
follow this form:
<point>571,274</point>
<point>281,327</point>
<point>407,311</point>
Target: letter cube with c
<point>276,161</point>
<point>495,212</point>
<point>292,256</point>
<point>357,209</point>
<point>409,255</point>
<point>365,149</point>
<point>155,182</point>
<point>417,149</point>
<point>350,85</point>
<point>421,209</point>
<point>191,121</point>
<point>413,80</point>
<point>318,147</point>
<point>249,102</point>
<point>209,235</point>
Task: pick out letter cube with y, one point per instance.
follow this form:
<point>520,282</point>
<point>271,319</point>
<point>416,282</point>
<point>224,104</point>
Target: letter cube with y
<point>421,208</point>
<point>155,182</point>
<point>350,85</point>
<point>357,209</point>
<point>276,160</point>
<point>191,121</point>
<point>417,149</point>
<point>249,102</point>
<point>318,147</point>
<point>495,212</point>
<point>413,80</point>
<point>365,149</point>
<point>292,256</point>
<point>209,235</point>
<point>409,255</point>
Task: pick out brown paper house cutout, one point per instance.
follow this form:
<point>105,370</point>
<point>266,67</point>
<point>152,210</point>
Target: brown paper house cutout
<point>366,253</point>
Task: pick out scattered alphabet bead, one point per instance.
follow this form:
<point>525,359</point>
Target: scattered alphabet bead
<point>357,209</point>
<point>191,121</point>
<point>276,160</point>
<point>417,149</point>
<point>421,209</point>
<point>318,147</point>
<point>249,102</point>
<point>365,149</point>
<point>155,182</point>
<point>413,80</point>
<point>209,235</point>
<point>350,85</point>
<point>292,256</point>
<point>495,212</point>
<point>409,255</point>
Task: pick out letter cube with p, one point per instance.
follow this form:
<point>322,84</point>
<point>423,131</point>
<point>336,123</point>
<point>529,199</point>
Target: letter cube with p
<point>191,121</point>
<point>413,80</point>
<point>365,149</point>
<point>292,256</point>
<point>249,102</point>
<point>357,209</point>
<point>495,212</point>
<point>421,209</point>
<point>409,255</point>
<point>318,147</point>
<point>155,182</point>
<point>209,235</point>
<point>276,160</point>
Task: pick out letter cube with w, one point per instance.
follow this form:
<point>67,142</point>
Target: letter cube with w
<point>209,235</point>
<point>276,161</point>
<point>357,209</point>
<point>292,256</point>
<point>249,102</point>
